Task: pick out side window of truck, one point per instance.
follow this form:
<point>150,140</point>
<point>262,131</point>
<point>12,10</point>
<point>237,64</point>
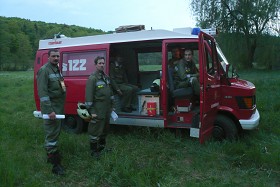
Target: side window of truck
<point>195,58</point>
<point>80,63</point>
<point>209,59</point>
<point>149,61</point>
<point>150,65</point>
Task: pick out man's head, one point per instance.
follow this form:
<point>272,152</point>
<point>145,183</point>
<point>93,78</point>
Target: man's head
<point>188,55</point>
<point>119,59</point>
<point>54,56</point>
<point>100,63</point>
<point>176,53</point>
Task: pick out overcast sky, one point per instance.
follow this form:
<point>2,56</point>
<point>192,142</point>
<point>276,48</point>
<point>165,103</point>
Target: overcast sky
<point>103,14</point>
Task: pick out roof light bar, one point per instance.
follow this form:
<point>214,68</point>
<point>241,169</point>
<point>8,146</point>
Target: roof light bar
<point>195,31</point>
<point>210,31</point>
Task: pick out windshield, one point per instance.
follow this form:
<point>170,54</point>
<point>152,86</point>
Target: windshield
<point>224,63</point>
<point>222,58</point>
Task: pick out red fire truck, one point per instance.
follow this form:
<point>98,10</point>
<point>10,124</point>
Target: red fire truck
<point>227,104</point>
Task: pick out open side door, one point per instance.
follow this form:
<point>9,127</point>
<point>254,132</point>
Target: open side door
<point>210,82</point>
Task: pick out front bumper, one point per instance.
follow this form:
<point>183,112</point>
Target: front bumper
<point>252,123</point>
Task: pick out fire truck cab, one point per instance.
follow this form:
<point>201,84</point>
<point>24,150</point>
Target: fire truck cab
<point>227,104</point>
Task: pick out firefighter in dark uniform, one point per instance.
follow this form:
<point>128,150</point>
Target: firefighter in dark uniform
<point>126,90</point>
<point>176,56</point>
<point>52,93</point>
<point>186,73</point>
<point>99,102</point>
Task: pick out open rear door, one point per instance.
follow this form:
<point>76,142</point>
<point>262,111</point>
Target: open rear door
<point>210,82</point>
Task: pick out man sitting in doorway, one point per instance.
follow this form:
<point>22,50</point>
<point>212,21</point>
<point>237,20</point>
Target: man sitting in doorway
<point>176,56</point>
<point>126,90</point>
<point>186,73</point>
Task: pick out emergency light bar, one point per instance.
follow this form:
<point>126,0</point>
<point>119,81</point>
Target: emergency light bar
<point>196,30</point>
<point>210,31</point>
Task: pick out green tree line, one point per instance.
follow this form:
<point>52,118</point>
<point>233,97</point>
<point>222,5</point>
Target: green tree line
<point>19,40</point>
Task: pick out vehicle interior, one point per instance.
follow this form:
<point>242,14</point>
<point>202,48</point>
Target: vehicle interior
<point>144,64</point>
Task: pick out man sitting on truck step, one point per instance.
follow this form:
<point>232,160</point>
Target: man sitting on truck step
<point>124,89</point>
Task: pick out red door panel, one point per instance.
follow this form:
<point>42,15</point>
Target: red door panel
<point>211,87</point>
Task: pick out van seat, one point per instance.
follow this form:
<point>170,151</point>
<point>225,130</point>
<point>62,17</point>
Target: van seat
<point>182,93</point>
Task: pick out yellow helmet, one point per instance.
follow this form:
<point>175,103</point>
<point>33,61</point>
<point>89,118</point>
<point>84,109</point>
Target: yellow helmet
<point>83,112</point>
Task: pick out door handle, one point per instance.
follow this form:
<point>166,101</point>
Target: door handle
<point>208,86</point>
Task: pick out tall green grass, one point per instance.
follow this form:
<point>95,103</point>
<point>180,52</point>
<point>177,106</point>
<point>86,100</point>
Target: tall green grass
<point>142,156</point>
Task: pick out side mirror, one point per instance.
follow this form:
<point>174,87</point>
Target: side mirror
<point>234,72</point>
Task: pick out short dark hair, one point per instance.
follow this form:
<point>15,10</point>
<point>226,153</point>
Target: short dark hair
<point>189,50</point>
<point>98,58</point>
<point>52,50</point>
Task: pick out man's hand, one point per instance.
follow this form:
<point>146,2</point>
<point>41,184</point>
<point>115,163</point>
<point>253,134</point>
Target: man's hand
<point>93,116</point>
<point>119,92</point>
<point>52,115</point>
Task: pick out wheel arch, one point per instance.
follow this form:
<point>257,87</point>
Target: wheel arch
<point>73,124</point>
<point>232,117</point>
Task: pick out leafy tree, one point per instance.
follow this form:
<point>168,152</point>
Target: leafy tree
<point>251,18</point>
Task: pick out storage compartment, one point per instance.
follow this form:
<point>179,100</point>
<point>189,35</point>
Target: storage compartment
<point>150,102</point>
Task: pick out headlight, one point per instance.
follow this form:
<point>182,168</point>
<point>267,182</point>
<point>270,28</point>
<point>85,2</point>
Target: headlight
<point>246,102</point>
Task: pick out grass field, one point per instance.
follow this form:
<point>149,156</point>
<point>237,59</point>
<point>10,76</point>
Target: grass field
<point>142,156</point>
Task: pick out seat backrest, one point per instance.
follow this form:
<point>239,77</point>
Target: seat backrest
<point>170,79</point>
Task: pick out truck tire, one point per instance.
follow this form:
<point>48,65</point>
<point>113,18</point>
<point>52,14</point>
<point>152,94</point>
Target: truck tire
<point>73,124</point>
<point>224,129</point>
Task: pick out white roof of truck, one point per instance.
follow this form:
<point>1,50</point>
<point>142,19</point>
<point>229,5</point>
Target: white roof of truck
<point>113,38</point>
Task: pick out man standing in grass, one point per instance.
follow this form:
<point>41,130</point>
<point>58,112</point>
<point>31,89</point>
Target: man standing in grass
<point>99,102</point>
<point>52,93</point>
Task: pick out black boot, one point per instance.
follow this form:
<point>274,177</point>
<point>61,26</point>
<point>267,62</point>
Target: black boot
<point>95,150</point>
<point>55,160</point>
<point>102,145</point>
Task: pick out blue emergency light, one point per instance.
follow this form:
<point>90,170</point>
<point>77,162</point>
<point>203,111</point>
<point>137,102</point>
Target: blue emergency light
<point>195,31</point>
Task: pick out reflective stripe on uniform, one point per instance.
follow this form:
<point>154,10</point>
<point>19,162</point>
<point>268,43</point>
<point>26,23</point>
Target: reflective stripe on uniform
<point>51,144</point>
<point>53,75</point>
<point>93,138</point>
<point>47,98</point>
<point>88,103</point>
<point>100,84</point>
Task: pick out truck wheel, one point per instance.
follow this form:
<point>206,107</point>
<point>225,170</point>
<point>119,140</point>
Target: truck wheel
<point>224,128</point>
<point>73,124</point>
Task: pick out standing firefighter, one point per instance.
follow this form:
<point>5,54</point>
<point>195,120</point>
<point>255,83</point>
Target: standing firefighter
<point>99,102</point>
<point>52,92</point>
